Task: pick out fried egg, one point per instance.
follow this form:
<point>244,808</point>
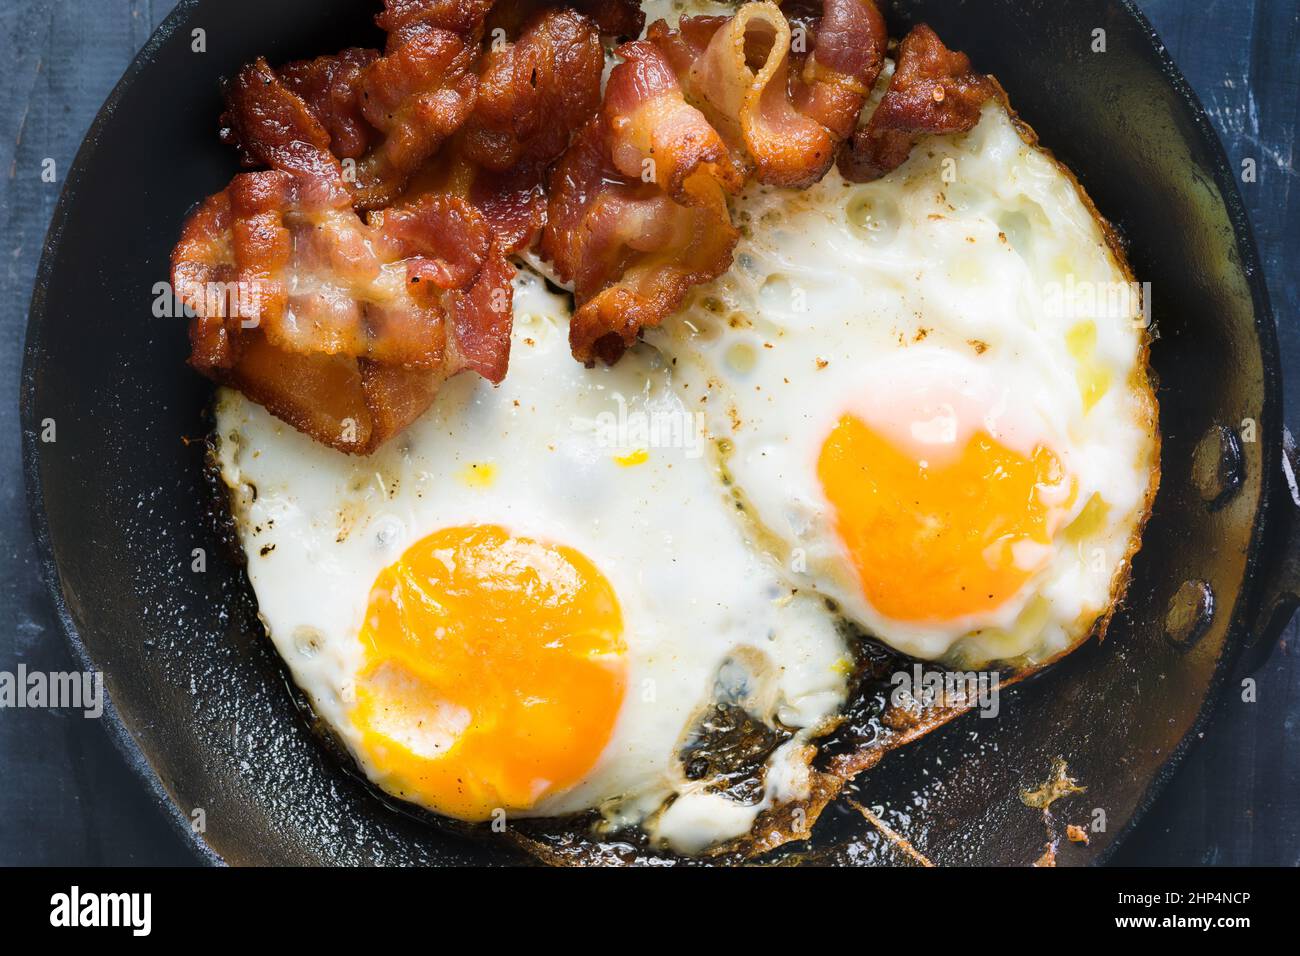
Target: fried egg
<point>929,394</point>
<point>529,604</point>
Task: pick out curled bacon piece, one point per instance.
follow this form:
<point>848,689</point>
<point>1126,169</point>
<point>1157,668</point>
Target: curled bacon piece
<point>513,202</point>
<point>933,90</point>
<point>787,95</point>
<point>331,88</point>
<point>656,136</point>
<point>637,212</point>
<point>389,113</point>
<point>618,18</point>
<point>532,93</point>
<point>845,56</point>
<point>460,16</point>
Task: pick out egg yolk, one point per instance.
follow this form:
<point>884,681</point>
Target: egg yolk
<point>494,671</point>
<point>936,541</point>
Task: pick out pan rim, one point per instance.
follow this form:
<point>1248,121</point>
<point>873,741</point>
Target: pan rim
<point>1270,426</point>
<point>1270,421</point>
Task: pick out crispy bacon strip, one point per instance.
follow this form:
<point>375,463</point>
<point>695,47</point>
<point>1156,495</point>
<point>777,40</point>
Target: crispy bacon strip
<point>786,96</point>
<point>845,55</point>
<point>278,129</point>
<point>390,112</point>
<point>617,18</point>
<point>513,202</point>
<point>460,16</point>
<point>533,93</point>
<point>933,90</point>
<point>331,88</point>
<point>656,136</point>
<point>343,328</point>
<point>637,211</point>
<point>328,86</point>
<point>419,92</point>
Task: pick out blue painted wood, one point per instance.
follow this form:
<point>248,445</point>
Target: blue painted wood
<point>64,795</point>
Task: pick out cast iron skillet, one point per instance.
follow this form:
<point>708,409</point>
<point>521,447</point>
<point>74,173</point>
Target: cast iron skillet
<point>199,704</point>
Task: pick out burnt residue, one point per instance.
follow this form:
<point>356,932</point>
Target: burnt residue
<point>218,517</point>
<point>1057,786</point>
<point>729,748</point>
<point>866,718</point>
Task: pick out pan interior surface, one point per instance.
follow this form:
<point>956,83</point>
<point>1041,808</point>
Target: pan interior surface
<point>149,596</point>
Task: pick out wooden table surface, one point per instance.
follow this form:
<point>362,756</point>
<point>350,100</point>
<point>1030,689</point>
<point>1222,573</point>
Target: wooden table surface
<point>65,796</point>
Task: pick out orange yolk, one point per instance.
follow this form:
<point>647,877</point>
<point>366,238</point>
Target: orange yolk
<point>494,671</point>
<point>936,541</point>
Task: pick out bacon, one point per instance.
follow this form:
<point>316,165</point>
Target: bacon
<point>613,18</point>
<point>846,54</point>
<point>518,110</point>
<point>328,88</point>
<point>656,134</point>
<point>618,18</point>
<point>534,92</point>
<point>459,16</point>
<point>342,327</point>
<point>637,212</point>
<point>933,90</point>
<point>390,113</point>
<point>786,97</point>
<point>417,94</point>
<point>331,88</point>
<point>462,155</point>
<point>513,202</point>
<point>276,128</point>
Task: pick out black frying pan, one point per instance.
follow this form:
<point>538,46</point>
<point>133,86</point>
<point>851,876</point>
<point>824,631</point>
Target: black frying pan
<point>200,706</point>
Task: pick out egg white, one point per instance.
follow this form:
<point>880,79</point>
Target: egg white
<point>538,455</point>
<point>967,263</point>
